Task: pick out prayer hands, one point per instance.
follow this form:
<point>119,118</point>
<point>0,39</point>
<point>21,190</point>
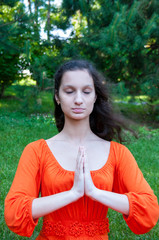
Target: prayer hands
<point>83,183</point>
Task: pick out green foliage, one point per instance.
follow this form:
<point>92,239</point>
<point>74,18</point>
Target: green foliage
<point>8,70</point>
<point>12,31</point>
<point>119,90</point>
<point>116,37</point>
<point>10,3</point>
<point>150,85</point>
<point>120,37</point>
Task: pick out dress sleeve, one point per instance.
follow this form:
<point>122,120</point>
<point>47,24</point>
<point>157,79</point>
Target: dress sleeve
<point>25,187</point>
<point>129,180</point>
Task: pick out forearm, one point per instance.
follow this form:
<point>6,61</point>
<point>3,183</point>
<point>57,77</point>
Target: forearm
<point>45,205</point>
<point>115,201</point>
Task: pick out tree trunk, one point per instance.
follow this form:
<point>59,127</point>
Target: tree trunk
<point>48,21</point>
<point>29,5</point>
<point>88,14</point>
<point>36,22</point>
<point>2,91</point>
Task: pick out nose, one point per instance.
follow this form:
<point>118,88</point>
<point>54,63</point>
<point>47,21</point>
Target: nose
<point>78,98</point>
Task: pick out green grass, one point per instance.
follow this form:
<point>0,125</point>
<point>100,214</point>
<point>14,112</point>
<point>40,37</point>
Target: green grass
<point>26,99</point>
<point>17,130</point>
<point>27,116</point>
<point>146,153</point>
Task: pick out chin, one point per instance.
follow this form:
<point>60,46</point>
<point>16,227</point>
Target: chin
<point>78,117</point>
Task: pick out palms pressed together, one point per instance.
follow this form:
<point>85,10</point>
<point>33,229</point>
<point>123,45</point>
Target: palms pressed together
<point>83,184</point>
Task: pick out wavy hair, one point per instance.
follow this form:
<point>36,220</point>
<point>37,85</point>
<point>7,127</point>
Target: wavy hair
<point>103,121</point>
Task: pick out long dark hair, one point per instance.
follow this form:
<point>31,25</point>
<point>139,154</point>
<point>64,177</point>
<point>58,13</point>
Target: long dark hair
<point>103,122</point>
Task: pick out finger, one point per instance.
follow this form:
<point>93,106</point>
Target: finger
<point>86,167</point>
<point>78,158</point>
<point>81,165</point>
<point>82,149</point>
<point>79,161</point>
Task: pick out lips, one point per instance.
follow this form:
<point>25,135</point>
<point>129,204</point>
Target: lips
<point>78,110</point>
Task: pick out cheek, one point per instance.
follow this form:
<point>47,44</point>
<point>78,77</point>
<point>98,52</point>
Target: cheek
<point>63,99</point>
<point>91,104</point>
<point>65,104</point>
<point>92,100</point>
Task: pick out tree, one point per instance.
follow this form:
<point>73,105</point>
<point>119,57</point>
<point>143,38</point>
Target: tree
<point>120,37</point>
<point>12,36</point>
<point>114,35</point>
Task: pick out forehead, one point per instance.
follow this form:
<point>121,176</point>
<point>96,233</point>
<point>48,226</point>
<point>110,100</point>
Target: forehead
<point>77,77</point>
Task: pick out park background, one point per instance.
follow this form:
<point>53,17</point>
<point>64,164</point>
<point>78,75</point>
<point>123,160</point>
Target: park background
<point>121,37</point>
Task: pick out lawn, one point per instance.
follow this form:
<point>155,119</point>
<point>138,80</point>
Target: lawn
<point>18,129</point>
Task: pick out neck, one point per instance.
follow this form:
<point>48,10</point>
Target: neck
<point>77,131</point>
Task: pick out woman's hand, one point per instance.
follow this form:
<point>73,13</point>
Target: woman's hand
<point>89,187</point>
<point>78,186</point>
<point>83,183</point>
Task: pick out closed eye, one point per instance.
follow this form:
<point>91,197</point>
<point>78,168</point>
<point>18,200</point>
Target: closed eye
<point>69,92</point>
<point>87,90</point>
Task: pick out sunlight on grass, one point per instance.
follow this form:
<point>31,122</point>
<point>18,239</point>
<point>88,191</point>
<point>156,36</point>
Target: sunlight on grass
<point>9,92</point>
<point>4,105</point>
<point>142,97</point>
<point>130,98</point>
<point>27,82</point>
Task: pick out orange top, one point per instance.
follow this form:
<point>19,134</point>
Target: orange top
<point>39,171</point>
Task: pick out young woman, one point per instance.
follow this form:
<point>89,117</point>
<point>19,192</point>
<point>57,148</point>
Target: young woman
<point>80,172</point>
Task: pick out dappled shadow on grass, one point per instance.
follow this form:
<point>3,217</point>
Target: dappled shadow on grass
<point>27,100</point>
<point>140,114</point>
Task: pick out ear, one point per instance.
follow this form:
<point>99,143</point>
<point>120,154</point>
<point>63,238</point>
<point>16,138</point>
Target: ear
<point>57,99</point>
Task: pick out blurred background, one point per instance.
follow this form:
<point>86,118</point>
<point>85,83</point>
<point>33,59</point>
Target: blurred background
<point>121,37</point>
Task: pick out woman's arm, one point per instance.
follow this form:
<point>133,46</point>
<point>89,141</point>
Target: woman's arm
<point>115,201</point>
<point>23,205</point>
<point>45,205</point>
<point>132,195</point>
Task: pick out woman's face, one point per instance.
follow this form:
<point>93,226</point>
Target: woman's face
<point>76,94</point>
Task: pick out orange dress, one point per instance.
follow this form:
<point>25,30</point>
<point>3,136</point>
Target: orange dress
<point>86,219</point>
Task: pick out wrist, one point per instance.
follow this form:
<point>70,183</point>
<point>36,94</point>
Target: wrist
<point>94,193</point>
<point>75,195</point>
